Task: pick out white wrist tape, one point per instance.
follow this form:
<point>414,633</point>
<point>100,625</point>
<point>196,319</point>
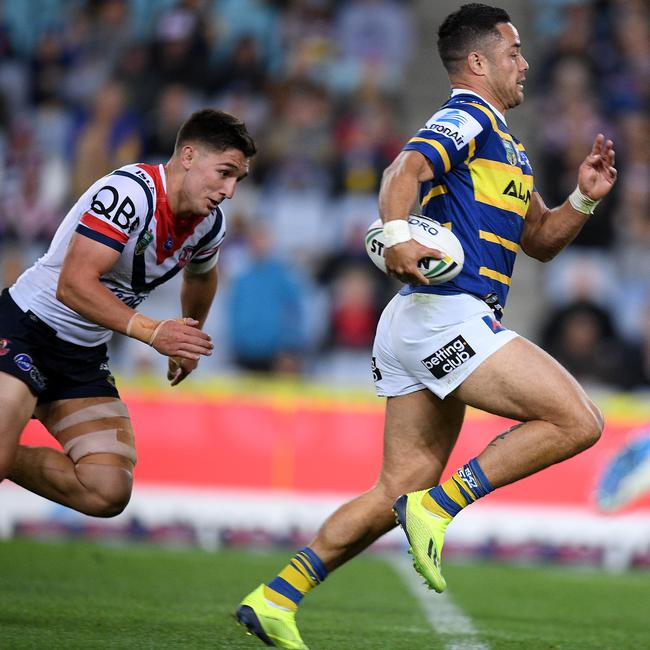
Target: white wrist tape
<point>396,231</point>
<point>581,202</point>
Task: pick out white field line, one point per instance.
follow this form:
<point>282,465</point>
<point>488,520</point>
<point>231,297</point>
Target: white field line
<point>454,627</point>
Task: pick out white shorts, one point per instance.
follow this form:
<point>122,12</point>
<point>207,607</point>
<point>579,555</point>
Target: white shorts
<point>432,341</point>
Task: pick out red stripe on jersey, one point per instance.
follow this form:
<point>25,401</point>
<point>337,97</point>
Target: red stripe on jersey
<point>104,228</point>
<point>170,231</point>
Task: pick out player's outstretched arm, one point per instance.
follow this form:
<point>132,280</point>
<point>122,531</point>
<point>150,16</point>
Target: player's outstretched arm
<point>397,195</point>
<point>548,231</point>
<point>197,293</point>
<point>80,289</point>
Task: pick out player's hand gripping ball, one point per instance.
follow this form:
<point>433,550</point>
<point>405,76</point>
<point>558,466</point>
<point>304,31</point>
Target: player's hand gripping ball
<point>432,235</point>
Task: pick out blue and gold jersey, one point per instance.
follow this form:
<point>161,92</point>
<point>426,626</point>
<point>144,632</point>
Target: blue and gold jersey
<point>481,189</point>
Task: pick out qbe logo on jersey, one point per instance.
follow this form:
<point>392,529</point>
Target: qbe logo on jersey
<point>449,357</point>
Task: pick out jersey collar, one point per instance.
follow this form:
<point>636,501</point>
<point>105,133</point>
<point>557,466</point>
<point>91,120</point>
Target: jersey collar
<point>464,91</point>
<point>163,176</point>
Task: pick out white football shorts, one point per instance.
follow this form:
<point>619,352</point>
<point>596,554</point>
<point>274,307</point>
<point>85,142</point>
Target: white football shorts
<point>432,341</point>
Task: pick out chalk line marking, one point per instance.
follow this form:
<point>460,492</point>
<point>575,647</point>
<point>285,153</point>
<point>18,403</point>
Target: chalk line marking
<point>447,619</point>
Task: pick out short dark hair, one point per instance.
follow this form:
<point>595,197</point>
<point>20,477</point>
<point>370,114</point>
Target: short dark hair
<point>462,31</point>
<point>216,130</point>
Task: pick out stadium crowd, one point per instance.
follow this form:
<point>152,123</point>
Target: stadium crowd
<point>594,75</point>
<point>89,85</point>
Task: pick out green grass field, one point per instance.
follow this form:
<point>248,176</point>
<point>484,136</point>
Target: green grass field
<point>80,595</point>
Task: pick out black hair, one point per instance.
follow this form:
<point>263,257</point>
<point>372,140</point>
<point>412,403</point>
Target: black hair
<point>216,130</point>
<point>462,31</point>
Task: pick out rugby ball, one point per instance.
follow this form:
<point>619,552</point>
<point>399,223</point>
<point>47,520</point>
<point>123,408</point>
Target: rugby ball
<point>429,233</point>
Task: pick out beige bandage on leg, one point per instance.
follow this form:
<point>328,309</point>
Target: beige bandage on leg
<point>93,473</point>
<point>98,442</point>
<point>101,427</point>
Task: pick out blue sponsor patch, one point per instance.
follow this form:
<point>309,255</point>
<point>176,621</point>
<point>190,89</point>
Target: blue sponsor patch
<point>23,361</point>
<point>455,117</point>
<point>493,324</point>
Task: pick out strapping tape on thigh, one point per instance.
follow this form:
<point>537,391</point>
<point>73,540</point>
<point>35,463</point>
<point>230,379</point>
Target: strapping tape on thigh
<point>98,442</point>
<point>112,409</point>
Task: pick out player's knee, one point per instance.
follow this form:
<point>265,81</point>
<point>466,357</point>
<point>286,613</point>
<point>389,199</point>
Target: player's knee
<point>588,427</point>
<point>108,488</point>
<point>103,457</point>
<point>416,478</point>
<point>596,423</point>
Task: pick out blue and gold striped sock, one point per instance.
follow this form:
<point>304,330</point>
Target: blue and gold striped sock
<point>464,487</point>
<point>304,572</point>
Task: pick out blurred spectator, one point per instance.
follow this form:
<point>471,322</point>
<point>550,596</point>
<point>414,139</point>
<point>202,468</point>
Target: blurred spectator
<point>96,35</point>
<point>244,69</point>
<point>173,107</point>
<point>595,78</point>
<point>625,72</point>
<point>295,165</point>
<point>14,81</point>
<point>582,338</point>
<point>266,310</point>
<point>302,114</point>
<point>307,39</point>
<point>253,108</point>
<point>48,67</point>
<point>108,137</point>
<point>632,253</point>
<point>111,28</point>
<point>181,46</point>
<point>567,136</point>
<point>134,70</point>
<point>366,144</point>
<point>355,311</point>
<point>376,36</point>
<point>33,188</point>
<point>237,18</point>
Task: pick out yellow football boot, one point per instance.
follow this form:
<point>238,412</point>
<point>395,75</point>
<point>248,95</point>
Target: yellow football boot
<point>274,625</point>
<point>425,533</point>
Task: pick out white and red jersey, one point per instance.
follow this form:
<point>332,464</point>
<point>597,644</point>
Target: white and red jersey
<point>128,211</point>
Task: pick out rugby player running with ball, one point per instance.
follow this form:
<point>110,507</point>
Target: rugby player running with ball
<point>440,348</point>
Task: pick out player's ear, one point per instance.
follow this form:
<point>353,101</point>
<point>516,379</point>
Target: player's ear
<point>188,153</point>
<point>476,62</point>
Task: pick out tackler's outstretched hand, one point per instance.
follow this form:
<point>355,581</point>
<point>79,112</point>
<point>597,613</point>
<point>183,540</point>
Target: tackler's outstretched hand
<point>181,338</point>
<point>597,173</point>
